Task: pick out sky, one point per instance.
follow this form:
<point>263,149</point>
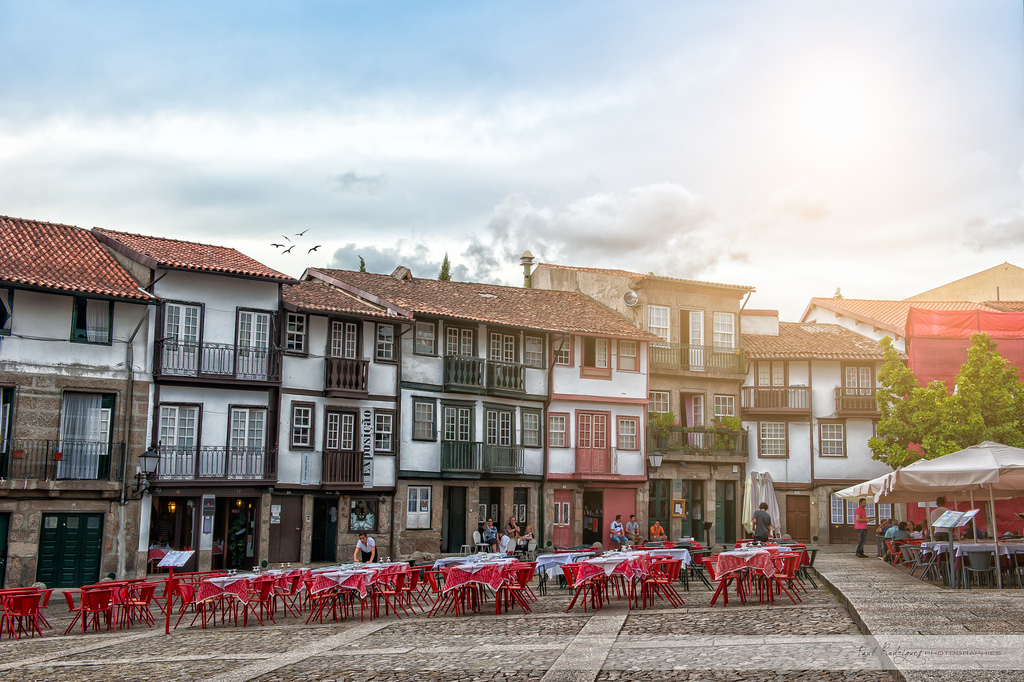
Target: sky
<point>876,147</point>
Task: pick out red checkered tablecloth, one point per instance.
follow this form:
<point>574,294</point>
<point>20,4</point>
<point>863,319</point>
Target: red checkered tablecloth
<point>236,586</point>
<point>760,560</point>
<point>492,574</point>
<point>358,580</point>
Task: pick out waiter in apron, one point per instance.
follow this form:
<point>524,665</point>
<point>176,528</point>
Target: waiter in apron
<point>366,550</point>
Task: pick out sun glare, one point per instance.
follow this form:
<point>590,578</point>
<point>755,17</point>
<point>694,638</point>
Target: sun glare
<point>835,112</point>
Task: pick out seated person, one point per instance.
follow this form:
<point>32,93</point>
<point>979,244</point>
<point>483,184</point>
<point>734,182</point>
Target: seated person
<point>512,529</point>
<point>490,535</point>
<point>618,534</point>
<point>633,530</point>
<point>917,533</point>
<point>891,530</point>
<point>505,543</point>
<point>523,541</point>
<point>880,531</point>
<point>658,533</point>
<point>901,532</point>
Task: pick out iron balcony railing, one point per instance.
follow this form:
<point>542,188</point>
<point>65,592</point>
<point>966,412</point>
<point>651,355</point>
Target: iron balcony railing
<point>856,401</point>
<point>776,398</point>
<point>697,358</point>
<point>342,467</point>
<point>702,440</point>
<point>464,457</point>
<point>349,376</point>
<point>67,460</point>
<point>216,463</point>
<point>217,361</point>
<point>463,373</point>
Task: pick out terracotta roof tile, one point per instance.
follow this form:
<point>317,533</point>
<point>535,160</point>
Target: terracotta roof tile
<point>63,257</point>
<point>811,341</point>
<point>888,315</point>
<point>637,275</point>
<point>1008,306</point>
<point>181,255</point>
<point>541,309</point>
<point>318,297</point>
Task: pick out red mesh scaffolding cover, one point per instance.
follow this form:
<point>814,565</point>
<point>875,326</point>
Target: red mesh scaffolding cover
<point>937,340</point>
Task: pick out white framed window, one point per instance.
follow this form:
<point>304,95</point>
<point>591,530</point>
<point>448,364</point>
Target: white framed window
<point>295,333</point>
<point>561,349</point>
<point>424,342</point>
<point>771,373</point>
<point>383,432</point>
<point>627,356</point>
<point>725,406</point>
<point>502,347</point>
<point>562,515</point>
<point>499,427</point>
<point>627,433</point>
<point>422,419</point>
<point>178,426</point>
<point>344,340</point>
<point>884,511</point>
<point>533,352</point>
<point>725,330</point>
<point>838,507</point>
<point>417,511</point>
<point>772,439</point>
<point>658,317</point>
<point>697,409</point>
<point>385,342</point>
<point>458,423</point>
<point>458,341</point>
<point>859,380</point>
<point>595,352</point>
<point>557,437</point>
<point>341,432</point>
<point>658,401</point>
<point>833,439</point>
<point>851,510</point>
<point>531,429</point>
<point>91,320</point>
<point>302,425</point>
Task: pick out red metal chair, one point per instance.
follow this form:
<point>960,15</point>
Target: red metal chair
<point>390,588</point>
<point>515,590</point>
<point>711,564</point>
<point>261,595</point>
<point>289,595</point>
<point>136,603</point>
<point>661,580</point>
<point>589,585</point>
<point>97,603</point>
<point>21,615</point>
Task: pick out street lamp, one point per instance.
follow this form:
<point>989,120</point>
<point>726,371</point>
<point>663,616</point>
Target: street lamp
<point>148,462</point>
<point>655,459</point>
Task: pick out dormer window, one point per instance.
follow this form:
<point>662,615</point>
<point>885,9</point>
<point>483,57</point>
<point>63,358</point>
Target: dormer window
<point>91,320</point>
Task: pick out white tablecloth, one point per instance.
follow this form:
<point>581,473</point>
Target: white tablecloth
<point>552,563</point>
<point>677,553</point>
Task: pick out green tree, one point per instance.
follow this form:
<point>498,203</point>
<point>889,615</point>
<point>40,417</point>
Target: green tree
<point>930,421</point>
<point>362,264</point>
<point>446,269</point>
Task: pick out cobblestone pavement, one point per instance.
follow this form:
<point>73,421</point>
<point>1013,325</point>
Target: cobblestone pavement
<point>813,640</point>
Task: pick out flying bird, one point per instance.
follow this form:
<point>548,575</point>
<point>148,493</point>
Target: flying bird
<point>299,234</point>
<point>289,248</point>
<point>280,246</point>
<point>285,236</point>
<point>314,248</point>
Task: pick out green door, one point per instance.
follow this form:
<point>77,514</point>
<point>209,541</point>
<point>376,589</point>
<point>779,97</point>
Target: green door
<point>725,513</point>
<point>4,524</point>
<point>70,546</point>
<point>658,506</point>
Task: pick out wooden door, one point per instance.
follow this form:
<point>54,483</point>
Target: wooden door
<point>325,529</point>
<point>562,519</point>
<point>798,517</point>
<point>285,529</point>
<point>70,547</point>
<point>454,532</point>
<point>4,523</point>
<point>593,455</point>
<point>725,513</point>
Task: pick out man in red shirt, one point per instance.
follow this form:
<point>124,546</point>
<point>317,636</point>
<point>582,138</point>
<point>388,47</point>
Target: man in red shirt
<point>860,523</point>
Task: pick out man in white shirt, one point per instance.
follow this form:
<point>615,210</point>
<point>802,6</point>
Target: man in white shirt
<point>940,509</point>
<point>618,535</point>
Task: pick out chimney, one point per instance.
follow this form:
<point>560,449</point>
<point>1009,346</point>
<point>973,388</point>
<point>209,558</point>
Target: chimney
<point>527,262</point>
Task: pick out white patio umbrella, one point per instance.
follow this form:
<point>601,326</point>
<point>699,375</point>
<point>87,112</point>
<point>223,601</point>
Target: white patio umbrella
<point>868,489</point>
<point>766,489</point>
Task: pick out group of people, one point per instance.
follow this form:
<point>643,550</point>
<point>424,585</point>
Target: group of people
<point>512,539</point>
<point>629,534</point>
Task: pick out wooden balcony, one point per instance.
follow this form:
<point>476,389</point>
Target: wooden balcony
<point>671,356</point>
<point>700,440</point>
<point>342,468</point>
<point>217,362</point>
<point>776,399</point>
<point>480,458</point>
<point>346,377</point>
<point>218,464</point>
<point>60,460</point>
<point>591,461</point>
<point>853,402</point>
<point>464,374</point>
<point>506,377</point>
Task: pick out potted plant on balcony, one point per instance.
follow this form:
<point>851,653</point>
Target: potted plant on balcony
<point>660,425</point>
<point>726,429</point>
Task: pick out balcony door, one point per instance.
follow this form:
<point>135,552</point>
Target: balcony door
<point>85,436</point>
<point>181,339</point>
<point>247,444</point>
<point>592,450</point>
<point>253,345</point>
<point>692,333</point>
<point>178,438</point>
<point>342,464</point>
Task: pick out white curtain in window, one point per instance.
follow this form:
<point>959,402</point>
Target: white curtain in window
<point>83,430</point>
<point>97,321</point>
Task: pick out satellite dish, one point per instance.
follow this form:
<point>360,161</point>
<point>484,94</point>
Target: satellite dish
<point>630,298</point>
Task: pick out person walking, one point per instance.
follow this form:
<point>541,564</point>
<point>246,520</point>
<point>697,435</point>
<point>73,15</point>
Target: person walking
<point>860,523</point>
<point>762,523</point>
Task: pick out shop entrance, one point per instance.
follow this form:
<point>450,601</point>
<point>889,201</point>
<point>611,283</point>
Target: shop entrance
<point>490,508</point>
<point>70,547</point>
<point>658,505</point>
<point>173,526</point>
<point>453,528</point>
<point>236,531</point>
<point>325,529</point>
<point>693,522</point>
<point>725,513</point>
<point>593,517</point>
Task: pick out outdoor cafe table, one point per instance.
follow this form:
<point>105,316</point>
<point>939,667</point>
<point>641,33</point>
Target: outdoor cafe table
<point>551,564</point>
<point>962,548</point>
<point>675,553</point>
<point>761,560</point>
<point>491,572</point>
